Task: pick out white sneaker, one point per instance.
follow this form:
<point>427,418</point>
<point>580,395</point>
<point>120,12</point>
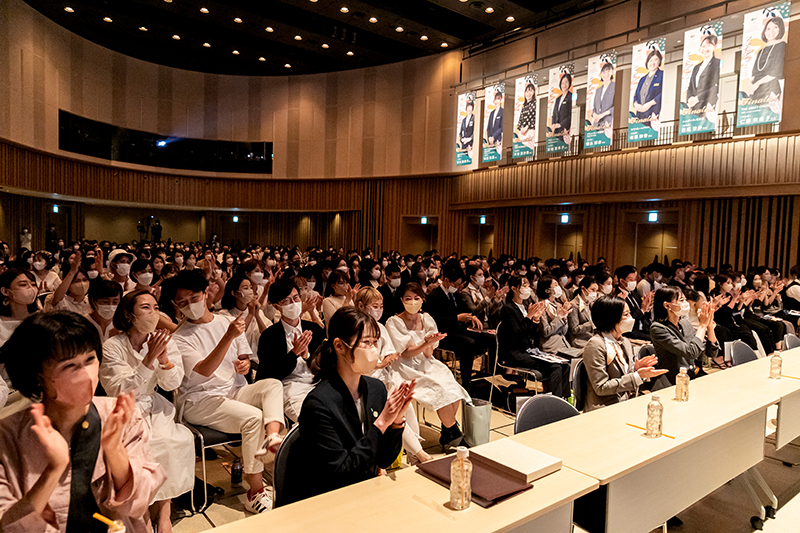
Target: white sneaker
<point>261,502</point>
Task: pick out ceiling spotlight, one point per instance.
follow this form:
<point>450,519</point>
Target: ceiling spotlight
<point>349,53</point>
<point>262,59</point>
<point>489,10</point>
<point>168,1</point>
<point>176,37</point>
<point>373,20</point>
<point>207,45</point>
<point>237,20</point>
<point>444,45</point>
<point>269,29</point>
<point>298,38</point>
<point>107,19</point>
<point>423,37</point>
<point>399,29</point>
<point>287,65</point>
<point>510,19</point>
<point>344,10</point>
<point>313,1</point>
<point>203,10</point>
<point>236,52</point>
<point>142,28</point>
<point>69,10</point>
<point>325,45</point>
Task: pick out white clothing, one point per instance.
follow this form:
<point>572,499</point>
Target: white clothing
<point>793,292</point>
<point>195,342</point>
<point>300,382</point>
<point>251,333</point>
<point>49,283</point>
<point>68,303</point>
<point>104,335</point>
<point>7,327</point>
<point>3,393</point>
<point>643,288</point>
<point>171,444</point>
<point>436,387</point>
<point>330,305</point>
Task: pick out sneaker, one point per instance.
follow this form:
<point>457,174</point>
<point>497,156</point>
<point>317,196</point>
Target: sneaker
<point>261,502</point>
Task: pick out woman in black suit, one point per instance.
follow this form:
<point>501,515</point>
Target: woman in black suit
<point>349,429</point>
<point>562,110</point>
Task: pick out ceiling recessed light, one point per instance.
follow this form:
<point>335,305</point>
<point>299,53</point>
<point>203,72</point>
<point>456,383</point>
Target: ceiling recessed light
<point>176,37</point>
<point>237,20</point>
<point>444,45</point>
<point>349,53</point>
<point>423,37</point>
<point>344,10</point>
<point>207,45</point>
<point>510,19</point>
<point>269,29</point>
<point>298,38</point>
<point>168,1</point>
<point>107,19</point>
<point>325,45</point>
<point>489,10</point>
<point>373,20</point>
<point>203,10</point>
<point>142,28</point>
<point>287,65</point>
<point>399,29</point>
<point>69,10</point>
<point>236,52</point>
<point>262,59</point>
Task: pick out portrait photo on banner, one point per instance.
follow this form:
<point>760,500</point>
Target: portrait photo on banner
<point>495,97</point>
<point>559,109</point>
<point>647,87</point>
<point>702,60</point>
<point>465,129</point>
<point>600,87</point>
<point>761,79</point>
<point>525,93</point>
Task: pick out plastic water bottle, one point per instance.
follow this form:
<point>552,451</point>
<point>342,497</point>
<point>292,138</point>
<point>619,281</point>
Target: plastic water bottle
<point>117,527</point>
<point>237,471</point>
<point>461,480</point>
<point>654,413</point>
<point>682,386</point>
<point>775,366</point>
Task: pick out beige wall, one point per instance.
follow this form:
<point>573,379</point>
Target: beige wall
<point>119,224</point>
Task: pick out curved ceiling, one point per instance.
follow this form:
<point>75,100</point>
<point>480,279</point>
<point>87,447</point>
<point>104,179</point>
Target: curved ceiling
<point>280,37</point>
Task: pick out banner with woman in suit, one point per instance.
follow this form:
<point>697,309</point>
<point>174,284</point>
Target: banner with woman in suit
<point>761,80</point>
<point>465,129</point>
<point>702,52</point>
<point>493,123</point>
<point>647,86</point>
<point>600,88</point>
<point>525,116</point>
<point>559,109</point>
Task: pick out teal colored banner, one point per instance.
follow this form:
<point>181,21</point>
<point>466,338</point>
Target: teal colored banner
<point>694,122</point>
<point>595,138</point>
<point>640,131</point>
<point>520,149</point>
<point>556,144</point>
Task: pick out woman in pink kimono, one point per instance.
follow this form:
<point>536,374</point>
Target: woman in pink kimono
<point>73,454</point>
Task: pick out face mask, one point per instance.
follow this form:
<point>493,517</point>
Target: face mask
<point>738,286</point>
<point>25,296</point>
<point>479,281</point>
<point>312,263</point>
<point>292,311</point>
<point>563,281</point>
<point>123,269</point>
<point>257,277</point>
<point>179,260</point>
<point>607,289</point>
<point>394,283</point>
<point>91,273</point>
<point>375,313</point>
<point>558,292</point>
<point>270,263</point>
<point>756,283</point>
<point>631,286</point>
<point>76,387</point>
<point>246,296</point>
<point>194,311</point>
<point>106,311</point>
<point>191,262</point>
<point>451,289</point>
<point>342,268</point>
<point>146,323</point>
<point>535,284</point>
<point>766,277</point>
<point>626,326</point>
<point>727,287</point>
<point>311,284</point>
<point>409,265</point>
<point>658,277</point>
<point>412,307</point>
<point>525,293</point>
<point>39,265</point>
<point>365,360</point>
<point>523,273</point>
<point>431,272</point>
<point>30,260</point>
<point>570,269</point>
<point>684,309</point>
<point>229,261</point>
<point>591,297</point>
<point>79,288</point>
<point>57,256</point>
<point>145,278</point>
<point>385,264</point>
<point>376,274</point>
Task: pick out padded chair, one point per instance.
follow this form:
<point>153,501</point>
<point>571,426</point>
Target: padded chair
<point>647,349</point>
<point>580,384</point>
<point>206,438</point>
<point>791,341</point>
<point>533,374</point>
<point>542,410</point>
<point>281,460</point>
<point>742,353</point>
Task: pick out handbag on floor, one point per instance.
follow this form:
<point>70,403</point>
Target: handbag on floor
<point>477,421</point>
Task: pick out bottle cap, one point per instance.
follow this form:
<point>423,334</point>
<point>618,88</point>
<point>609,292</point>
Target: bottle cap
<point>462,452</point>
<point>683,370</point>
<point>655,396</point>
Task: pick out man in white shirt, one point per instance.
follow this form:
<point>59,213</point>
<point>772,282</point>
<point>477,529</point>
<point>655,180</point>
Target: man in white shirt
<point>119,265</point>
<point>214,392</point>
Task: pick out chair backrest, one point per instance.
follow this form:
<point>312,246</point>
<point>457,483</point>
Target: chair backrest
<point>281,460</point>
<point>791,341</point>
<point>541,410</point>
<point>580,382</point>
<point>741,353</point>
<point>647,349</point>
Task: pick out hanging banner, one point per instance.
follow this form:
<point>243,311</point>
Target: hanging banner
<point>493,123</point>
<point>465,129</point>
<point>647,85</point>
<point>525,116</point>
<point>761,81</point>
<point>559,109</point>
<point>702,53</point>
<point>600,87</point>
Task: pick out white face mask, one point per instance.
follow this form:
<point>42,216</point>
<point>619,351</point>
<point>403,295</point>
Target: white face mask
<point>91,273</point>
<point>394,283</point>
<point>563,281</point>
<point>558,292</point>
<point>292,311</point>
<point>385,264</point>
<point>658,277</point>
<point>146,323</point>
<point>525,293</point>
<point>257,277</point>
<point>342,268</point>
<point>375,313</point>
<point>376,274</point>
<point>145,278</point>
<point>631,286</point>
<point>607,289</point>
<point>451,289</point>
<point>684,309</point>
<point>179,260</point>
<point>123,269</point>
<point>24,296</point>
<point>191,262</point>
<point>39,265</point>
<point>195,310</point>
<point>626,326</point>
<point>311,284</point>
<point>737,286</point>
<point>591,297</point>
<point>412,307</point>
<point>106,311</point>
<point>365,360</point>
<point>246,296</point>
<point>432,272</point>
<point>479,281</point>
<point>270,263</point>
<point>657,285</point>
<point>229,261</point>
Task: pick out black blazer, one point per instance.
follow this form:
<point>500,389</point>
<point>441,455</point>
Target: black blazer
<point>562,112</point>
<point>516,334</point>
<point>707,87</point>
<point>274,360</point>
<point>334,451</point>
<point>443,311</point>
<point>641,328</point>
<point>391,303</point>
